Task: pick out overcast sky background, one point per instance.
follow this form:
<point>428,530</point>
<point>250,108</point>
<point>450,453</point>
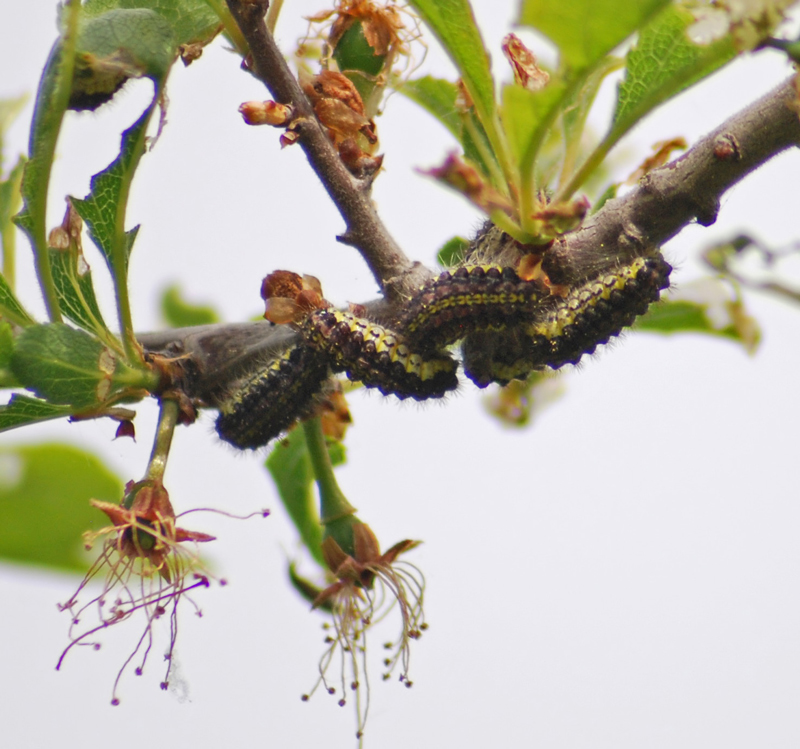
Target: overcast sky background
<point>624,573</point>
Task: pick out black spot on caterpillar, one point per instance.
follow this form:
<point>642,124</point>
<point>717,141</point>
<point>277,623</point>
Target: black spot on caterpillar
<point>568,327</point>
<point>378,357</point>
<point>468,299</point>
<point>263,403</point>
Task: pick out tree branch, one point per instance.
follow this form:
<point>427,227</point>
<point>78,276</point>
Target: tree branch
<point>396,274</point>
<point>685,190</point>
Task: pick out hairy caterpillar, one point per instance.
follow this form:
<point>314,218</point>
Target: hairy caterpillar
<point>567,328</point>
<point>468,299</point>
<point>378,357</point>
<point>265,402</point>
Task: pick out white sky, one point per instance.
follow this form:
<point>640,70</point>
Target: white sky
<point>625,573</point>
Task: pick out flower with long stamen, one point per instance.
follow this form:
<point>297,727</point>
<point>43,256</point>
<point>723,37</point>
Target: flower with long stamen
<point>368,587</point>
<point>144,567</point>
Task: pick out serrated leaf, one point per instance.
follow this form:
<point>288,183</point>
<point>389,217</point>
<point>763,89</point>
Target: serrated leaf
<point>72,279</point>
<point>452,252</point>
<point>190,20</point>
<point>10,308</point>
<point>453,23</point>
<point>290,467</point>
<point>44,503</point>
<point>586,30</point>
<point>67,366</point>
<point>22,410</point>
<point>179,313</point>
<point>526,117</point>
<point>103,209</point>
<point>664,62</point>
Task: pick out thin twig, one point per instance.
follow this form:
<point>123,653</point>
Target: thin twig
<point>396,274</point>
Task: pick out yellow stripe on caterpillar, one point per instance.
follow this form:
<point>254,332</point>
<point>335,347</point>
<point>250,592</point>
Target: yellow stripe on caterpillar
<point>377,356</point>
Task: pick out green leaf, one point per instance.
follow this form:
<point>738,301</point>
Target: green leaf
<point>10,202</point>
<point>586,30</point>
<point>290,467</point>
<point>662,63</point>
<point>527,115</point>
<point>453,23</point>
<point>179,313</point>
<point>116,46</point>
<point>73,281</point>
<point>357,60</point>
<point>438,97</point>
<point>706,307</point>
<point>51,103</point>
<point>576,107</point>
<point>10,308</point>
<point>103,209</point>
<point>6,344</point>
<point>44,503</point>
<point>189,20</point>
<point>452,252</point>
<point>22,410</point>
<point>67,366</point>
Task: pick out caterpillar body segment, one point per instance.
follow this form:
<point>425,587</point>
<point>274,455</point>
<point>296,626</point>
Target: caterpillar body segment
<point>378,357</point>
<point>469,299</point>
<point>263,403</point>
<point>568,327</point>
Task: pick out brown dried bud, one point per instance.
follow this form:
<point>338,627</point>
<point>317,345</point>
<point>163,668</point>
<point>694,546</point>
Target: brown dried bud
<point>360,164</point>
<point>190,52</point>
<point>281,283</point>
<point>266,113</point>
<point>334,413</point>
<point>289,138</point>
<point>467,180</point>
<point>332,85</point>
<point>126,429</point>
<point>463,99</point>
<point>559,218</point>
<point>523,62</point>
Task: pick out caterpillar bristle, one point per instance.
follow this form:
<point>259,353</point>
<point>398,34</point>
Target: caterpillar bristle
<point>468,299</point>
<point>377,357</point>
<point>265,402</point>
<point>568,328</point>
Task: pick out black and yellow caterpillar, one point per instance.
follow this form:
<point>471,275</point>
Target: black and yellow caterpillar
<point>469,299</point>
<point>378,357</point>
<point>566,328</point>
<point>265,402</point>
<point>509,327</point>
<point>261,404</point>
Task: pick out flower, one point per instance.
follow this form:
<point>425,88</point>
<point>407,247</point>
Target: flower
<point>146,570</point>
<point>368,586</point>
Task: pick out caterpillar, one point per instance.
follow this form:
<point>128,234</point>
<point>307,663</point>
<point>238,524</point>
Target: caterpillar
<point>378,357</point>
<point>566,328</point>
<point>470,298</point>
<point>265,402</point>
